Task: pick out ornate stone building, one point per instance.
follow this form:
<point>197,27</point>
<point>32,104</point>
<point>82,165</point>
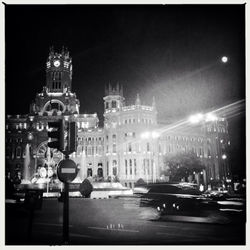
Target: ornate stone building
<point>131,145</point>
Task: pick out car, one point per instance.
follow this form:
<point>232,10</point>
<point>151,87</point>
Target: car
<point>184,199</point>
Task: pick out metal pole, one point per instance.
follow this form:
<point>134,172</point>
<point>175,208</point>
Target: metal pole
<point>66,212</point>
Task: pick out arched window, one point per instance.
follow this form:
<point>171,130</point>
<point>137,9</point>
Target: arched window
<point>89,172</point>
<point>113,104</point>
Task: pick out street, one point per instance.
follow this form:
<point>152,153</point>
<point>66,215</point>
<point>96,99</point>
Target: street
<point>113,222</point>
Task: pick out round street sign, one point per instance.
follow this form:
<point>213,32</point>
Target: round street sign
<point>66,170</point>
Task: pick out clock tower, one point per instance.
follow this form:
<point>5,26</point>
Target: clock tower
<point>59,71</point>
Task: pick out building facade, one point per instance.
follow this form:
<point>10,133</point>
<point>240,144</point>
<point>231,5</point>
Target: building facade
<point>131,144</point>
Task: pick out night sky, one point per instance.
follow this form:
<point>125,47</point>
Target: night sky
<point>171,52</point>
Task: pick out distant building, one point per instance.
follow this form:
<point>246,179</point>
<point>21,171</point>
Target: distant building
<point>130,146</point>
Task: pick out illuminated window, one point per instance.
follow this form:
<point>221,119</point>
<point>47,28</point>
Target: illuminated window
<point>113,104</point>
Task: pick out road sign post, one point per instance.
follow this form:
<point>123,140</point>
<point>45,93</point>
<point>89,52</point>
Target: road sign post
<point>66,214</point>
<point>66,171</point>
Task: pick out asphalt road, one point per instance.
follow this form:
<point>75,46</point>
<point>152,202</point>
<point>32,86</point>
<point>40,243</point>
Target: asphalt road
<point>113,222</point>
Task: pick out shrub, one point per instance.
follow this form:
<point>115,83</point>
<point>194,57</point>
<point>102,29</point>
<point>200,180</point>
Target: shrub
<point>86,188</point>
<point>140,182</point>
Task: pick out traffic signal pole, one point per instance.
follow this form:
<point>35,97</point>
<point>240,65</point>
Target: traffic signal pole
<point>66,211</point>
<point>63,137</point>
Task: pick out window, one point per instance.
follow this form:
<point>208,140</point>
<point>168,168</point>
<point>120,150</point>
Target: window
<point>89,150</point>
<point>115,171</point>
<point>113,104</point>
<point>114,137</point>
<point>129,147</point>
<point>18,152</point>
<point>135,166</point>
<point>114,148</point>
<point>148,148</point>
<point>100,150</point>
<point>89,172</point>
<point>106,105</point>
<point>79,149</point>
<point>126,167</point>
<point>107,168</point>
<point>133,134</point>
<point>99,172</point>
<point>130,166</point>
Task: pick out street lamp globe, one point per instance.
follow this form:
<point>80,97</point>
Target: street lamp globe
<point>224,59</point>
<point>224,157</point>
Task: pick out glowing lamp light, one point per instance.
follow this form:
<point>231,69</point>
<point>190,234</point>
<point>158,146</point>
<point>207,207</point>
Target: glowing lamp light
<point>196,118</point>
<point>155,134</point>
<point>145,135</point>
<point>149,135</point>
<point>30,136</point>
<point>211,117</point>
<point>224,59</point>
<point>224,157</point>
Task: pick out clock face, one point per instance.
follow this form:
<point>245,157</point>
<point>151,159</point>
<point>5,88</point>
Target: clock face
<point>56,63</point>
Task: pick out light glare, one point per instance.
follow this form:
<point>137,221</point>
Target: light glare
<point>196,118</point>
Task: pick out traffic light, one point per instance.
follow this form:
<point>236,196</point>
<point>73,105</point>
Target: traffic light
<point>57,133</point>
<point>72,137</point>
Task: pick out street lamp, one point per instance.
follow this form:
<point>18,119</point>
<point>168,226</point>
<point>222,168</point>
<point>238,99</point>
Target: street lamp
<point>224,59</point>
<point>224,157</point>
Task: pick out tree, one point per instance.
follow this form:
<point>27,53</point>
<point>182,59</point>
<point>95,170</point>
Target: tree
<point>181,165</point>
